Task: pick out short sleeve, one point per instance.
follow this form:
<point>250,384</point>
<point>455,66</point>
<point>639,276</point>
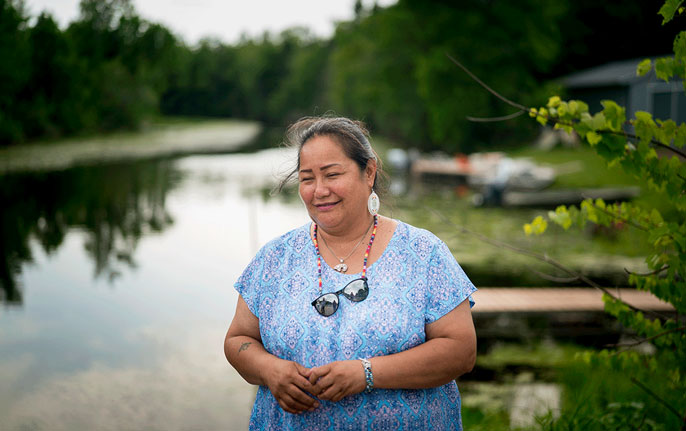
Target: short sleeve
<point>447,284</point>
<point>248,284</point>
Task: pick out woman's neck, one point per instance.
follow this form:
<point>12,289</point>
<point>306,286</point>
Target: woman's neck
<point>349,233</point>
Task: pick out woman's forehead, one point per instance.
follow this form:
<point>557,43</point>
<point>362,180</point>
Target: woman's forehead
<point>321,151</point>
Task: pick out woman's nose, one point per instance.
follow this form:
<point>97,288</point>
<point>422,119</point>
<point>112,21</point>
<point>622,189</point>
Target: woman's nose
<point>321,190</point>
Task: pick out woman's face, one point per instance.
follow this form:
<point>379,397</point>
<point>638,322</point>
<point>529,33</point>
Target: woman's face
<point>332,187</point>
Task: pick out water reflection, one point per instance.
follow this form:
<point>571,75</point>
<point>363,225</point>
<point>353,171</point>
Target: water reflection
<point>138,345</point>
<point>114,204</point>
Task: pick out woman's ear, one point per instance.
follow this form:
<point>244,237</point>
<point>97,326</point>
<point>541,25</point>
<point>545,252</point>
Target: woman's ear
<point>370,172</point>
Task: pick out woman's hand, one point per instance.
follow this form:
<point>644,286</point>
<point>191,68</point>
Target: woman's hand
<point>337,380</point>
<point>288,383</point>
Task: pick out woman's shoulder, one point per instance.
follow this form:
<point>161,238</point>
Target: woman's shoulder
<point>416,234</point>
<point>295,239</point>
<point>421,241</point>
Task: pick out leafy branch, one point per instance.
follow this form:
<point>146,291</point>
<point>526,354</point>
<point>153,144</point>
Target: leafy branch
<point>574,275</point>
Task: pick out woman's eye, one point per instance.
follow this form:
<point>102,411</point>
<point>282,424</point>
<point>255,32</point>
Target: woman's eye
<point>305,179</point>
<point>333,174</point>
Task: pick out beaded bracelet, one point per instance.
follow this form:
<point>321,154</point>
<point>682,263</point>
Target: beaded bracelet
<point>368,376</point>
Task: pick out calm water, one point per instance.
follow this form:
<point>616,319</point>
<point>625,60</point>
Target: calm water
<point>117,291</point>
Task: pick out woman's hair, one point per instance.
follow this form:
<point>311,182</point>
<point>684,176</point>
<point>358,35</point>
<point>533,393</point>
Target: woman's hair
<point>351,135</point>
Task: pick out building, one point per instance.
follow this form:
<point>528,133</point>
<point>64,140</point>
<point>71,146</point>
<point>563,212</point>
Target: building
<point>618,81</point>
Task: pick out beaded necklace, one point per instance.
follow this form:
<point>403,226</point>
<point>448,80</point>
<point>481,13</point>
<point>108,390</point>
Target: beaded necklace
<point>366,253</point>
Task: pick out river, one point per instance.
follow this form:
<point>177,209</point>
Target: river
<point>117,290</point>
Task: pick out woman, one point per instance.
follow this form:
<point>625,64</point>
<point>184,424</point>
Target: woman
<point>355,320</point>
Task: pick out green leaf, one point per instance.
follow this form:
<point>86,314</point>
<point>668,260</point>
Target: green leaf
<point>666,132</point>
<point>577,107</point>
<point>680,46</point>
<point>561,217</point>
<point>644,125</point>
<point>593,138</point>
<point>598,121</point>
<point>644,67</point>
<point>680,137</point>
<point>656,217</point>
<point>554,101</point>
<point>665,68</point>
<point>669,9</point>
<point>542,116</point>
<point>536,227</point>
<point>611,147</point>
<point>615,114</point>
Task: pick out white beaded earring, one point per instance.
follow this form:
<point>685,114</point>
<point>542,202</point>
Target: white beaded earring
<point>373,203</point>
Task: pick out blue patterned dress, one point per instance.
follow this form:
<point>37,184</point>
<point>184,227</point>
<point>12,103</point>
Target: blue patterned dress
<point>414,282</point>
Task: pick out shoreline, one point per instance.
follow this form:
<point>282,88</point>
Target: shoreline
<point>168,140</point>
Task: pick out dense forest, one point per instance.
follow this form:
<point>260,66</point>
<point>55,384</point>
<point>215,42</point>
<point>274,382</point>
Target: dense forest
<point>110,69</point>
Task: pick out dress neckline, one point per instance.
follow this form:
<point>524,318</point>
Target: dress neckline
<point>328,268</point>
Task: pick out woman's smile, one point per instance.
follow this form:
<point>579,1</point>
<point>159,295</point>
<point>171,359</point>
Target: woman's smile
<point>327,206</point>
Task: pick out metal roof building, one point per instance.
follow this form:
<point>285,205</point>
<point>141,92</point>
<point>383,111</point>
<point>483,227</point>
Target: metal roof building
<point>618,81</point>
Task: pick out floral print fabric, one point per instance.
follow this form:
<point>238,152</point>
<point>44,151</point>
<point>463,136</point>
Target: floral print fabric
<point>414,282</point>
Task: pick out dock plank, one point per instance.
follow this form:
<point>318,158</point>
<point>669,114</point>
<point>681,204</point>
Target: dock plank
<point>503,299</point>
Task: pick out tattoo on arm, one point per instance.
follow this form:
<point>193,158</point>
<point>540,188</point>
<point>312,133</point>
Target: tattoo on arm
<point>244,346</point>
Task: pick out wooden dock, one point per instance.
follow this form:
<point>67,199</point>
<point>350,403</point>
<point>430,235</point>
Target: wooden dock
<point>504,299</point>
<point>552,198</point>
<point>574,315</point>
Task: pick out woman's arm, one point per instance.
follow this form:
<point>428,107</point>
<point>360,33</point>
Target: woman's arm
<point>449,352</point>
<point>285,379</point>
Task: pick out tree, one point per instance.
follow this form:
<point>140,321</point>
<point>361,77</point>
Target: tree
<point>651,150</point>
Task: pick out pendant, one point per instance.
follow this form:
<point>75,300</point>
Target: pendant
<point>341,267</point>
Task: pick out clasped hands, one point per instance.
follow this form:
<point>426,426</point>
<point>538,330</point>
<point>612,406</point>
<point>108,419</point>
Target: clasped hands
<point>297,389</point>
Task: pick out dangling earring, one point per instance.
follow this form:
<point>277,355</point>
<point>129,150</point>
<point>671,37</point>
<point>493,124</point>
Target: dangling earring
<point>373,203</point>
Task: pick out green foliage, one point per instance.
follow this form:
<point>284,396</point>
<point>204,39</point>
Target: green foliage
<point>402,83</point>
<point>665,175</point>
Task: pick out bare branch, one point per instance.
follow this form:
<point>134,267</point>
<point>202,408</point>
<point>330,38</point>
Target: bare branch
<point>645,340</point>
<point>489,89</point>
<point>647,274</point>
<point>553,278</point>
<point>657,397</point>
<point>495,119</point>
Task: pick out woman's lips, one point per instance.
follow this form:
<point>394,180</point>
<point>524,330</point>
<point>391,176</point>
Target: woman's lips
<point>326,206</point>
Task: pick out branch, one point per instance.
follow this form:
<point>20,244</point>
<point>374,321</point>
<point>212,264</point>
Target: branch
<point>652,141</point>
<point>553,278</point>
<point>495,119</point>
<point>647,274</point>
<point>631,222</point>
<point>645,340</point>
<point>489,89</point>
<point>654,395</point>
<point>554,120</point>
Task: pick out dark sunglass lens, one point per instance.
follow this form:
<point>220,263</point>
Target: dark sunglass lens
<point>357,290</point>
<point>327,304</point>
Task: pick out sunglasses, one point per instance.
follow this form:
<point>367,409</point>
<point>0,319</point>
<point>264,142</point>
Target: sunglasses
<point>356,291</point>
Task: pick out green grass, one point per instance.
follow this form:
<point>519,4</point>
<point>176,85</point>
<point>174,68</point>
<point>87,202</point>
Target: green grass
<point>595,252</point>
<point>580,167</point>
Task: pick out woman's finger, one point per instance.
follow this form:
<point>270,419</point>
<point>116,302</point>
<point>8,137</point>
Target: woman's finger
<point>330,392</point>
<point>323,384</point>
<point>302,398</point>
<point>305,372</point>
<point>317,373</point>
<point>303,384</point>
<point>294,403</point>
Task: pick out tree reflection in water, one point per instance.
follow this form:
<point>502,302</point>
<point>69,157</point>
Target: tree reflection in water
<point>114,204</point>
